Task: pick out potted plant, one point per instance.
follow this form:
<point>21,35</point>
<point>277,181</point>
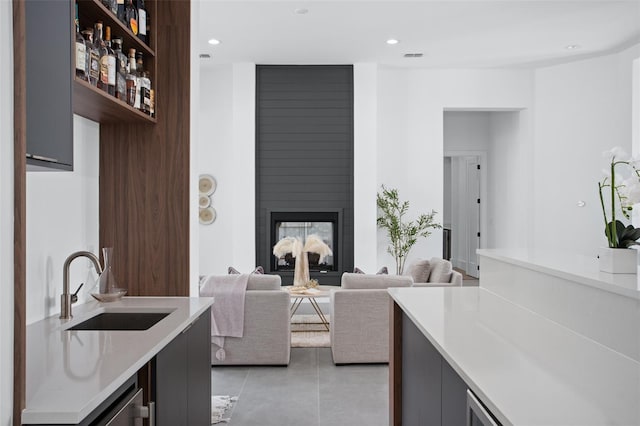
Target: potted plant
<point>619,191</point>
<point>403,234</point>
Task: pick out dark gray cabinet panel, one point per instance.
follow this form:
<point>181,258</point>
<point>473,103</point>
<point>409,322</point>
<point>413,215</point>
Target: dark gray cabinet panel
<point>171,382</point>
<point>421,378</point>
<point>432,392</point>
<point>454,397</point>
<point>48,84</point>
<point>182,377</point>
<point>199,370</point>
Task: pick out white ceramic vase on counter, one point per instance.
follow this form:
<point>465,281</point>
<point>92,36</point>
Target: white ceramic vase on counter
<point>618,260</point>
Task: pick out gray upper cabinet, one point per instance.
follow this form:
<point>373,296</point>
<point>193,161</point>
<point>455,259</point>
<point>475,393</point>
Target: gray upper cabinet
<point>48,83</point>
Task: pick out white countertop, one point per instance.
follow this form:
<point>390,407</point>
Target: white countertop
<point>574,267</point>
<point>69,373</point>
<point>528,370</point>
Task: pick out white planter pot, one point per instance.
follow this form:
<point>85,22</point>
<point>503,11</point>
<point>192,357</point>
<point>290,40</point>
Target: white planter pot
<point>618,260</point>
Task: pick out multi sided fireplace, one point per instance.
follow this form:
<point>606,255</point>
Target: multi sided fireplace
<point>300,224</point>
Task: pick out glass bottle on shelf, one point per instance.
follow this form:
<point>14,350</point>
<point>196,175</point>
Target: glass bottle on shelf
<point>81,52</point>
<point>131,79</point>
<point>103,54</point>
<point>131,16</point>
<point>111,62</point>
<point>93,58</point>
<point>144,84</point>
<point>152,103</point>
<point>120,11</point>
<point>111,5</point>
<point>121,70</point>
<point>142,21</point>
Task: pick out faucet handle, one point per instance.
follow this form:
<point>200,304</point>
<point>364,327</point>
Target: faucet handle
<point>74,296</point>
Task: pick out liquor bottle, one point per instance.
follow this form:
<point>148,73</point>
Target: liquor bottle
<point>144,84</point>
<point>131,79</point>
<point>103,53</point>
<point>131,16</point>
<point>111,5</point>
<point>152,103</point>
<point>120,10</point>
<point>111,62</point>
<point>121,70</point>
<point>142,21</point>
<point>93,58</point>
<point>81,52</point>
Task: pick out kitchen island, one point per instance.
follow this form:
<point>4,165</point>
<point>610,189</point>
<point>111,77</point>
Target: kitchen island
<point>570,289</point>
<point>71,373</point>
<point>523,368</point>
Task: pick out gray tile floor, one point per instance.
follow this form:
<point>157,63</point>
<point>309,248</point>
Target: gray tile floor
<point>311,391</point>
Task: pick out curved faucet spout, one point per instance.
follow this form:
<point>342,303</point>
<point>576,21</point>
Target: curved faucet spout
<point>65,298</point>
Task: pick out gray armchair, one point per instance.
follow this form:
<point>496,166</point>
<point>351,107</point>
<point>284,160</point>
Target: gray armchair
<point>267,329</point>
<point>360,317</point>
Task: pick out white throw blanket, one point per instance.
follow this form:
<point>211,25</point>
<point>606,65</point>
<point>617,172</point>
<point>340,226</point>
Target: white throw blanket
<point>227,311</point>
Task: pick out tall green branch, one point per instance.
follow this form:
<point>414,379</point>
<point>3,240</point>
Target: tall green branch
<point>402,235</point>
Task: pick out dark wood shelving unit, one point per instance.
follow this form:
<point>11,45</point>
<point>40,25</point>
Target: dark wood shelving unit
<point>91,102</point>
<point>97,105</point>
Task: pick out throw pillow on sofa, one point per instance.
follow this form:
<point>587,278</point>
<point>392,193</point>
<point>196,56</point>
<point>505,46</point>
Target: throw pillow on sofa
<point>440,270</point>
<point>381,271</point>
<point>258,270</point>
<point>420,270</point>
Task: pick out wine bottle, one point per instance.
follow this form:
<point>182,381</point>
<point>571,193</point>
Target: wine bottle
<point>142,21</point>
<point>81,52</point>
<point>131,16</point>
<point>111,62</point>
<point>103,54</point>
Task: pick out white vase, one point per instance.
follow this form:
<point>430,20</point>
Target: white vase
<point>618,260</point>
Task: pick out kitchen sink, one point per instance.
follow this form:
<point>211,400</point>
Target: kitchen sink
<point>121,321</point>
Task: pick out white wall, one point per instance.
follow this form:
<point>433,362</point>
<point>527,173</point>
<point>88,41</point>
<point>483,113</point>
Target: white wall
<point>410,137</point>
<point>6,213</point>
<point>467,131</point>
<point>365,165</point>
<point>226,150</point>
<point>510,181</point>
<point>62,217</point>
<point>582,109</point>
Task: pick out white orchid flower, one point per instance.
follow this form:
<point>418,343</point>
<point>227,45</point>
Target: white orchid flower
<point>618,154</point>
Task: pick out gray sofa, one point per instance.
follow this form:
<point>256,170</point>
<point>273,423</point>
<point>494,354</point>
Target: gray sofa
<point>267,329</point>
<point>360,317</point>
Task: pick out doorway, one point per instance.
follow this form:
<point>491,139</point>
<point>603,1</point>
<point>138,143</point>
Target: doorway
<point>462,210</point>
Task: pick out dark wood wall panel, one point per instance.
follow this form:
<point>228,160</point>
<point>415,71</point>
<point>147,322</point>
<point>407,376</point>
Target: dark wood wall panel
<point>20,210</point>
<point>304,149</point>
<point>144,173</point>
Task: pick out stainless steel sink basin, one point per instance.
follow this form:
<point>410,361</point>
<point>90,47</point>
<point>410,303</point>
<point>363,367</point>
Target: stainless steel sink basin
<point>121,321</point>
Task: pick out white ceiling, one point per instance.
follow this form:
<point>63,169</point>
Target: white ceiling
<point>452,33</point>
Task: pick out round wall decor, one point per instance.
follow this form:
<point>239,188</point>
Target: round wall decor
<point>207,184</point>
<point>204,201</point>
<point>207,215</point>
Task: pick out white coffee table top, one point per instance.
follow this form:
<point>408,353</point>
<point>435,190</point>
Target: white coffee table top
<point>320,291</point>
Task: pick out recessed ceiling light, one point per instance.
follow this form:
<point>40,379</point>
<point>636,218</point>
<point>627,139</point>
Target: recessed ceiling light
<point>393,41</point>
<point>572,47</point>
<point>205,56</point>
<point>214,41</point>
<point>301,11</point>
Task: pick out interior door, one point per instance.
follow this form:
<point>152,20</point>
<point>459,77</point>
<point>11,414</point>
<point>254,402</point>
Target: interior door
<point>473,215</point>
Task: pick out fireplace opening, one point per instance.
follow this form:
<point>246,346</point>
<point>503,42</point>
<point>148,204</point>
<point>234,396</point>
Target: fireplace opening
<point>301,225</point>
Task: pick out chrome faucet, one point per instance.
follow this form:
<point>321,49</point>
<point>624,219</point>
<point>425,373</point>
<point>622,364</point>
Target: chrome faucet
<point>66,297</point>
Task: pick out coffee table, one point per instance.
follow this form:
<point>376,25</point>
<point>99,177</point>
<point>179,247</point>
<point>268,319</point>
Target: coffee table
<point>311,294</point>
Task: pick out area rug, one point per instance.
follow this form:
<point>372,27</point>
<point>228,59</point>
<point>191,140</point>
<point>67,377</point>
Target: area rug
<point>220,404</point>
<point>307,332</point>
